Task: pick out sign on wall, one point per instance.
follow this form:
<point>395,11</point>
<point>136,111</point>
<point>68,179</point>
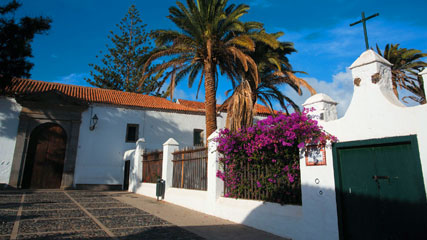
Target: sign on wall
<point>315,155</point>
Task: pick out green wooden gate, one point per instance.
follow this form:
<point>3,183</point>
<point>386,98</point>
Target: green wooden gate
<point>380,189</point>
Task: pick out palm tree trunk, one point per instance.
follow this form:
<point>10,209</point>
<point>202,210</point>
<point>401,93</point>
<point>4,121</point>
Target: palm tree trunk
<point>422,92</point>
<point>210,92</point>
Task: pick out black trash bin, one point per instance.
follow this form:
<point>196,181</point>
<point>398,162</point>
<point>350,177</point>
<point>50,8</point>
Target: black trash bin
<point>160,188</point>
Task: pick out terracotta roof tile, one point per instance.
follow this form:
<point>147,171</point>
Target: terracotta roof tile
<point>261,110</point>
<point>21,86</point>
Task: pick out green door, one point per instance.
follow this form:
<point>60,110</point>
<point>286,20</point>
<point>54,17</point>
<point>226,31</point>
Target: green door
<point>380,189</point>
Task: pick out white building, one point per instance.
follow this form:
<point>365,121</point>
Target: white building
<point>371,184</point>
<point>48,136</point>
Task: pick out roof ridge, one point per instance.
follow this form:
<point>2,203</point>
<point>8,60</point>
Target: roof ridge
<point>188,103</point>
<point>98,95</point>
<point>89,88</point>
<point>110,96</point>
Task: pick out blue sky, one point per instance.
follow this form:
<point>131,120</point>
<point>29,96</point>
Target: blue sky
<point>319,29</point>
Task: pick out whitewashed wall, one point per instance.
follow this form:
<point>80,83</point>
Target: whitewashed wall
<point>9,119</point>
<point>100,152</point>
<point>283,220</point>
<point>374,112</point>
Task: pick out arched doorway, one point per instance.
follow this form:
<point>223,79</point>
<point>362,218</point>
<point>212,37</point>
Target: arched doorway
<point>45,157</point>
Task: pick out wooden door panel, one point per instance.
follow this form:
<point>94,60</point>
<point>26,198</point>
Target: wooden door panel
<point>359,193</point>
<point>382,194</point>
<point>45,161</point>
<point>401,193</point>
<point>54,160</point>
<point>38,166</point>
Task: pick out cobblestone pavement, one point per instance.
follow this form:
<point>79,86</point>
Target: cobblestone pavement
<point>79,215</point>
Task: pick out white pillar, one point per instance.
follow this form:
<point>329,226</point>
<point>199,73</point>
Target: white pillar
<point>424,76</point>
<point>135,168</point>
<point>372,79</point>
<point>325,108</point>
<point>215,185</point>
<point>130,155</point>
<point>318,198</point>
<point>170,146</point>
<point>137,164</point>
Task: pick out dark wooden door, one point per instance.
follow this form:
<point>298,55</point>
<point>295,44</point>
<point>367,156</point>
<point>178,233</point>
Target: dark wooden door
<point>381,192</point>
<point>45,158</point>
<point>126,176</point>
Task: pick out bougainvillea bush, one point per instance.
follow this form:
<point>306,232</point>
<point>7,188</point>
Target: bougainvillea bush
<point>262,162</point>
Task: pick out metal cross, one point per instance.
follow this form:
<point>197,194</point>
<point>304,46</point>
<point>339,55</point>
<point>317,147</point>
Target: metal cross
<point>363,20</point>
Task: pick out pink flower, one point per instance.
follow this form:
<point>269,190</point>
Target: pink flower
<point>291,178</point>
<point>272,139</point>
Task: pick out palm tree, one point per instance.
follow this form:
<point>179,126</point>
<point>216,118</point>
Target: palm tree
<point>274,71</point>
<point>407,64</point>
<point>211,38</point>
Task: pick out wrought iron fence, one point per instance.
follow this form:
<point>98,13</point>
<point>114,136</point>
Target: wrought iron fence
<point>282,191</point>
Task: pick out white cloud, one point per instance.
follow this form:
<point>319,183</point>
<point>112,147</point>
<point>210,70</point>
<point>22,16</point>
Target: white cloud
<point>339,89</point>
<point>328,52</point>
<point>344,41</point>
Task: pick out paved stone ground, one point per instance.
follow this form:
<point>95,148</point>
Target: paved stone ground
<point>206,226</point>
<point>79,215</point>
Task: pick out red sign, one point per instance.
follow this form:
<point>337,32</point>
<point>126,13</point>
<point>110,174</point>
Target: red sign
<point>315,156</point>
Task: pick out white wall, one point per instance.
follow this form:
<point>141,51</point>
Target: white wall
<point>319,208</point>
<point>374,112</point>
<point>283,220</point>
<point>9,119</point>
<point>100,152</point>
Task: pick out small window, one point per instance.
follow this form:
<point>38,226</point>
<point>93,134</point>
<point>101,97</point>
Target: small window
<point>132,132</point>
<point>322,116</point>
<point>198,137</point>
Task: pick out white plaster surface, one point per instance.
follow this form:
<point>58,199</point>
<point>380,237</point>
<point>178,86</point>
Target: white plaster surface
<point>369,57</point>
<point>100,152</point>
<point>215,186</point>
<point>322,104</point>
<point>192,199</point>
<point>318,200</point>
<point>130,155</point>
<point>319,97</point>
<point>373,113</point>
<point>9,119</point>
<point>146,189</point>
<point>286,220</point>
<point>169,147</point>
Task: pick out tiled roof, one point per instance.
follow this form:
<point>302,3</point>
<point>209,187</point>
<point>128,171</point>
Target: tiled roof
<point>261,110</point>
<point>193,104</point>
<point>21,86</point>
